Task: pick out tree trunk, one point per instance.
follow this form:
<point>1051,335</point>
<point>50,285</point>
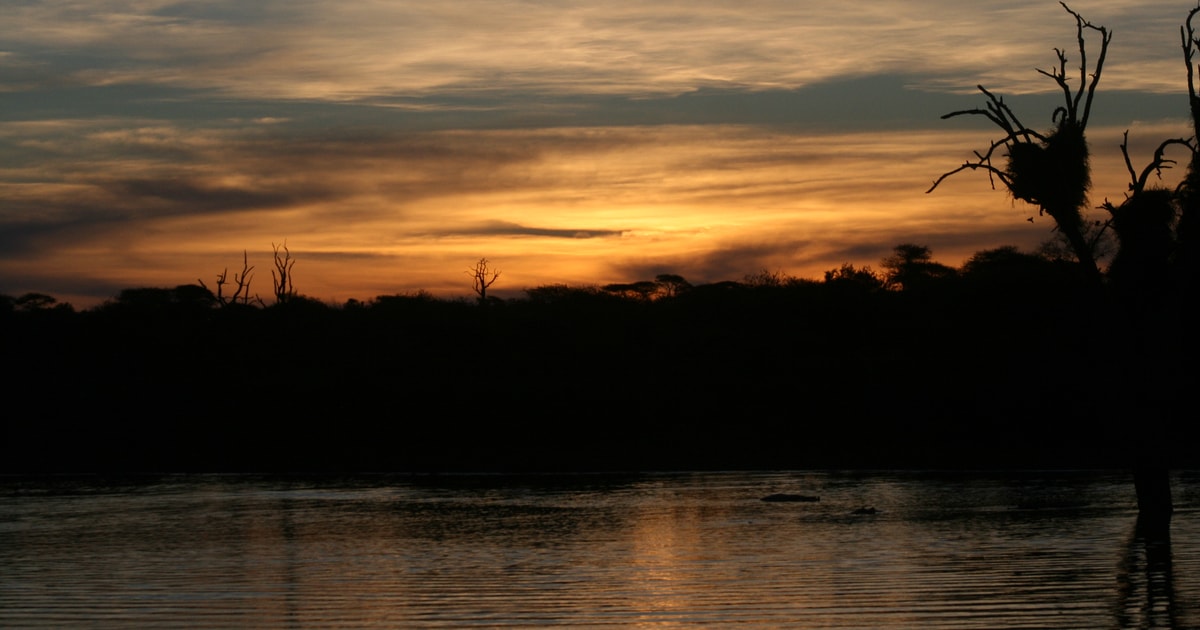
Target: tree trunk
<point>1153,485</point>
<point>1067,220</point>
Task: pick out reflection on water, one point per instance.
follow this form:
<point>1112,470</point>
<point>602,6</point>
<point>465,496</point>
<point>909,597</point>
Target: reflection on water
<point>1045,550</point>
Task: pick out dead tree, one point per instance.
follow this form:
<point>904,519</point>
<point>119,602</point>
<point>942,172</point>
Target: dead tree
<point>241,292</point>
<point>281,276</point>
<point>1052,171</point>
<point>1049,170</point>
<point>1140,276</point>
<point>1187,257</point>
<point>482,277</point>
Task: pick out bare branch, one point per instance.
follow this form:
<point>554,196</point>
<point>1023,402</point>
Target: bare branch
<point>243,282</point>
<point>1157,164</point>
<point>284,290</point>
<point>1190,42</point>
<point>1105,37</point>
<point>973,166</point>
<point>1128,163</point>
<point>1060,77</point>
<point>984,160</point>
<point>1001,115</point>
<point>1138,182</point>
<point>242,292</point>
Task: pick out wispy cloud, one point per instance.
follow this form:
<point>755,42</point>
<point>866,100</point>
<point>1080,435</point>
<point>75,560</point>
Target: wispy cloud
<point>353,50</point>
<point>505,228</point>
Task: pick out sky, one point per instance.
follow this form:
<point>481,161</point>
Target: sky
<point>391,144</point>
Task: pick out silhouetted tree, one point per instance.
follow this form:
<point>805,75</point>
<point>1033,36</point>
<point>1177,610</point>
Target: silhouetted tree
<point>1145,227</point>
<point>482,277</point>
<point>242,290</point>
<point>1018,280</point>
<point>766,278</point>
<point>1141,277</point>
<point>671,284</point>
<point>562,294</point>
<point>911,267</point>
<point>1187,230</point>
<point>642,290</point>
<point>1052,171</point>
<point>281,276</point>
<point>34,302</point>
<point>847,275</point>
<point>1049,170</point>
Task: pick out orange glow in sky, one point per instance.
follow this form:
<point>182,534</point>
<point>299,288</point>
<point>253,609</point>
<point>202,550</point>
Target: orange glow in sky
<point>391,146</point>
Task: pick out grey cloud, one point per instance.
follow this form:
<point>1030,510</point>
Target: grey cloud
<point>228,11</point>
<point>71,223</point>
<point>732,262</point>
<point>504,228</point>
<point>948,245</point>
<point>860,104</point>
<point>65,288</point>
<point>194,196</point>
<point>736,261</point>
<point>282,167</point>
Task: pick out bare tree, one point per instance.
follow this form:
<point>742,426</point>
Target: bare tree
<point>241,292</point>
<point>281,276</point>
<point>1052,172</point>
<point>1187,232</point>
<point>1049,170</point>
<point>482,277</point>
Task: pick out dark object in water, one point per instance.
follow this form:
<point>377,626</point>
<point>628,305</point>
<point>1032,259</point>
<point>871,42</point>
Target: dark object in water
<point>782,497</point>
<point>865,510</point>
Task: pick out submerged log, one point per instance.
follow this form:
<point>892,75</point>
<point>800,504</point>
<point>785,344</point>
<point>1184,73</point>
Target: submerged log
<point>782,497</point>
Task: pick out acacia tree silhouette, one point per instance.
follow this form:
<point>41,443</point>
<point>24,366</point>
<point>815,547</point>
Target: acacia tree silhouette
<point>1051,170</point>
<point>912,267</point>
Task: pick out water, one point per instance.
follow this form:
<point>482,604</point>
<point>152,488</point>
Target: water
<point>1028,550</point>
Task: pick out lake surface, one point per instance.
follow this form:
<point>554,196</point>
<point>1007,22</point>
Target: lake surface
<point>979,550</point>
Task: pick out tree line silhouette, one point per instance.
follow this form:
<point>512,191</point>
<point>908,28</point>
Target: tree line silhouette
<point>918,364</point>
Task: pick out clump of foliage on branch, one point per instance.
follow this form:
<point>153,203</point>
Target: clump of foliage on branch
<point>1050,170</point>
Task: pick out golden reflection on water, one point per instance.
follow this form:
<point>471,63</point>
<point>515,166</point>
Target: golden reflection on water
<point>661,536</point>
<point>641,551</point>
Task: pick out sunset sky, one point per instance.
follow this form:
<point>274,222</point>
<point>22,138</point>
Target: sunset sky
<point>392,143</point>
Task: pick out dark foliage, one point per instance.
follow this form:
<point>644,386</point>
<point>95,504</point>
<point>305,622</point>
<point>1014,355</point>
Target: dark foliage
<point>1007,362</point>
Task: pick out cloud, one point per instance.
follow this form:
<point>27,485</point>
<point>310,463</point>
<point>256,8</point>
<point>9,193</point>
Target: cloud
<point>504,228</point>
<point>349,51</point>
<point>729,262</point>
<point>197,196</point>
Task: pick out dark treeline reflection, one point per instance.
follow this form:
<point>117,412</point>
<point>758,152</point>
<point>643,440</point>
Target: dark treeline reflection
<point>1012,360</point>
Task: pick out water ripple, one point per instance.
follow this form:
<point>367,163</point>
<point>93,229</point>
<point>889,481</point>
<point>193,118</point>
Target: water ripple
<point>969,551</point>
